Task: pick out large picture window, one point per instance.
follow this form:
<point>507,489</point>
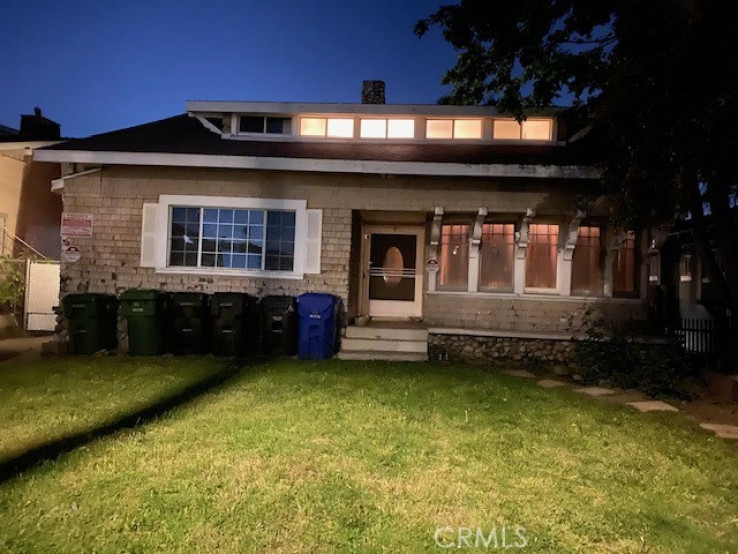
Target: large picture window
<point>540,261</point>
<point>497,257</point>
<point>454,270</point>
<point>586,269</point>
<point>250,239</point>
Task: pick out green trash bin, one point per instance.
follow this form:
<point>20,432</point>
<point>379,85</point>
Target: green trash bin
<point>144,313</point>
<point>92,322</point>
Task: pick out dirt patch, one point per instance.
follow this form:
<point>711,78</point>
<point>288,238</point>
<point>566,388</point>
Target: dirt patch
<point>711,410</point>
<point>7,355</point>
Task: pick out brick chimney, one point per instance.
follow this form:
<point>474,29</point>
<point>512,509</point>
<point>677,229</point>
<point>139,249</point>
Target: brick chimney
<point>38,127</point>
<point>372,92</point>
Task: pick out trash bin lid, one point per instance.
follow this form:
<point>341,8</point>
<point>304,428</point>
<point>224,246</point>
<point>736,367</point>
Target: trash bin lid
<point>277,302</point>
<point>235,302</point>
<point>140,294</point>
<point>316,303</point>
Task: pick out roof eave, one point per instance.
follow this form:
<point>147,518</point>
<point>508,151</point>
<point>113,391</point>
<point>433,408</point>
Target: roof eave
<point>294,108</point>
<point>320,165</point>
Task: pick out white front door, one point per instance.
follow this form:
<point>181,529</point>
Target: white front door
<point>393,271</point>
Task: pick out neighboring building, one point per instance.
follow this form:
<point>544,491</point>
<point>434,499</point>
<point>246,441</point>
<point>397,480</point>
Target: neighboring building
<point>28,209</point>
<point>684,300</point>
<point>455,220</point>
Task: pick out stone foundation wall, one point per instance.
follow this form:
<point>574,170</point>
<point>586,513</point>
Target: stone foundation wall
<point>499,349</point>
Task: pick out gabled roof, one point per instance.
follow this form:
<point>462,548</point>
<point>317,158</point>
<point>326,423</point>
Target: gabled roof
<point>182,140</point>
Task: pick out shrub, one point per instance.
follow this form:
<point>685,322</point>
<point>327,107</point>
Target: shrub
<point>655,368</point>
<point>11,283</point>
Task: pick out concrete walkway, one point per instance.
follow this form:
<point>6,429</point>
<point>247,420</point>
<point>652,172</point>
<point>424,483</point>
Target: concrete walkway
<point>633,399</point>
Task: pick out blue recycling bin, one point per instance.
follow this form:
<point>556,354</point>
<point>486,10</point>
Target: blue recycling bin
<point>317,325</point>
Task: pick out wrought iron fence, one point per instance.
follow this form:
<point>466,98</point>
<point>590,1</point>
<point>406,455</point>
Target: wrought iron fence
<point>702,336</point>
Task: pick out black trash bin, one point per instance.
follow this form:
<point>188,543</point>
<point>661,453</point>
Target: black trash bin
<point>92,322</point>
<point>188,318</point>
<point>318,317</point>
<point>144,313</point>
<point>279,325</point>
<point>235,323</point>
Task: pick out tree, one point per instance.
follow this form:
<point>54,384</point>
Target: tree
<point>659,82</point>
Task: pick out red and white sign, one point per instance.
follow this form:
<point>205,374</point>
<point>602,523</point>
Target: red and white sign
<point>76,225</point>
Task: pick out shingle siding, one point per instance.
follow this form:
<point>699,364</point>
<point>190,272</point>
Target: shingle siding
<point>115,196</point>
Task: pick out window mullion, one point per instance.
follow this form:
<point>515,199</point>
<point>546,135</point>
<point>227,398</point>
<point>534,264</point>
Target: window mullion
<point>264,247</point>
<point>199,238</point>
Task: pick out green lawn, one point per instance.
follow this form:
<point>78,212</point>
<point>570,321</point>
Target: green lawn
<point>335,456</point>
<point>63,397</point>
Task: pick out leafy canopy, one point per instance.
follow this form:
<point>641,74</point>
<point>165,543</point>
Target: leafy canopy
<point>657,80</point>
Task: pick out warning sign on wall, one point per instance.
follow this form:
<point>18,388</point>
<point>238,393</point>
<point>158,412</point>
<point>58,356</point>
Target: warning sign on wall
<point>72,254</point>
<point>76,225</point>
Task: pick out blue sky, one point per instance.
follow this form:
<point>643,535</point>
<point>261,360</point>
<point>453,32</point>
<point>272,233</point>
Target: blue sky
<point>98,65</point>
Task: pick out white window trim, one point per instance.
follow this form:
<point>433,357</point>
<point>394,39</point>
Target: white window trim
<point>167,201</point>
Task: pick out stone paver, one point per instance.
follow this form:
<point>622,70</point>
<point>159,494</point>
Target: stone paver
<point>551,383</point>
<point>653,406</point>
<point>520,373</point>
<point>595,391</point>
<point>722,431</point>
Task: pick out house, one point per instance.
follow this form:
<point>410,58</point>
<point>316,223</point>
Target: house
<point>29,211</point>
<point>452,230</point>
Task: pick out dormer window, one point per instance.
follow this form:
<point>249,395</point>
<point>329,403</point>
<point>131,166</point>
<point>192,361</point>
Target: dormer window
<point>331,127</point>
<point>530,129</point>
<point>453,129</point>
<point>260,124</point>
<point>387,128</point>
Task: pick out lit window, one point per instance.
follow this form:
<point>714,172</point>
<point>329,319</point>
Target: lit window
<point>249,239</point>
<point>506,129</point>
<point>624,273</point>
<point>497,256</point>
<point>340,128</point>
<point>439,128</point>
<point>453,128</point>
<point>312,126</point>
<point>540,260</point>
<point>586,265</point>
<point>468,129</point>
<point>373,128</point>
<point>454,270</point>
<point>401,128</point>
<point>537,129</point>
<point>530,129</point>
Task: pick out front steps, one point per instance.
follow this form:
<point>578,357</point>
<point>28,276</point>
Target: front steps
<point>377,342</point>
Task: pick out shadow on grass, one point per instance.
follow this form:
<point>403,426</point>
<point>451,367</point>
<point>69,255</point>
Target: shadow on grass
<point>12,467</point>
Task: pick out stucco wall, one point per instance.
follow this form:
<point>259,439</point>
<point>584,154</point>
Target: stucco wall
<point>11,181</point>
<point>33,211</point>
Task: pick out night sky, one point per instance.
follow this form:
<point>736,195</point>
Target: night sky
<point>99,65</point>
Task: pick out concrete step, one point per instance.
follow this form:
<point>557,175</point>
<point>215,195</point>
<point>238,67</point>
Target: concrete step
<point>384,345</point>
<point>377,355</point>
<point>386,333</point>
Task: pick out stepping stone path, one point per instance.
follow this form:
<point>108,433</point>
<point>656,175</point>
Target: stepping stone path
<point>595,391</point>
<point>722,431</point>
<point>520,373</point>
<point>551,383</point>
<point>653,406</point>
